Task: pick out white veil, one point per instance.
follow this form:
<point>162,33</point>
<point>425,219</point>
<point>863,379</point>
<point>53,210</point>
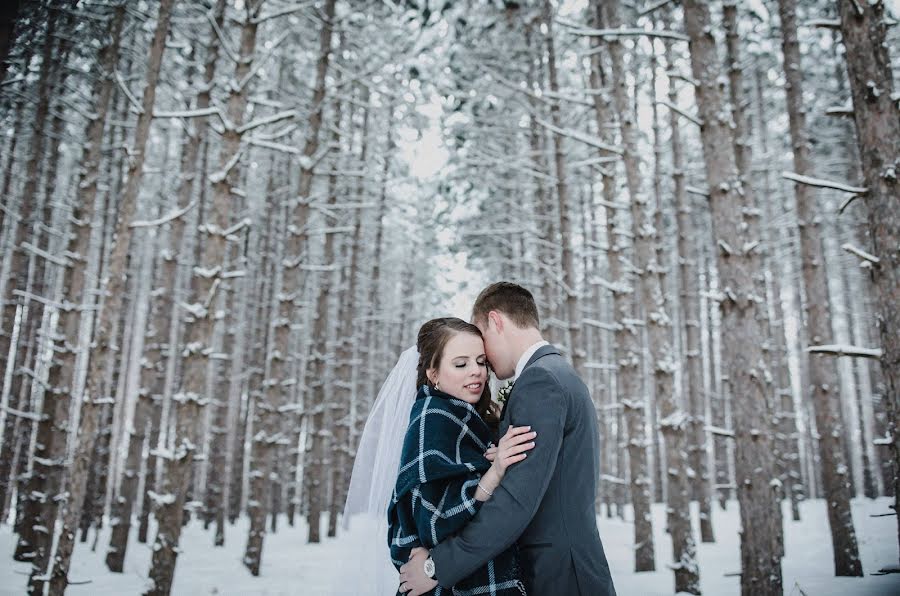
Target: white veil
<point>374,476</point>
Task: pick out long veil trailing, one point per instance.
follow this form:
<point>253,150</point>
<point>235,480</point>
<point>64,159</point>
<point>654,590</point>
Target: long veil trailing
<point>373,478</point>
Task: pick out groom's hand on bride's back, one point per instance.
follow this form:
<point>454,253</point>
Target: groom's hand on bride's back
<point>413,581</point>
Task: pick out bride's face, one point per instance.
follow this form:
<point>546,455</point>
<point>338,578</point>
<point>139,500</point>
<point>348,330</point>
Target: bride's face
<point>462,371</point>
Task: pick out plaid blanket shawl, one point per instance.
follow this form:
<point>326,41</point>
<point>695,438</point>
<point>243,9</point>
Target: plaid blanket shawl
<point>441,463</point>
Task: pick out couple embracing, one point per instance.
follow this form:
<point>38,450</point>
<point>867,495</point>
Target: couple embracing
<point>466,512</point>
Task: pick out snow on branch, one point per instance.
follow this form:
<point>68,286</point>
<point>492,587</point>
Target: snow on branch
<point>680,112</point>
<point>718,430</point>
<point>161,499</point>
<point>257,142</point>
<point>697,191</point>
<point>131,98</point>
<point>201,113</point>
<point>601,324</point>
<point>34,416</point>
<point>824,23</point>
<point>675,74</point>
<point>610,205</point>
<point>42,300</point>
<point>223,39</point>
<point>612,479</point>
<point>822,183</point>
<point>625,31</point>
<point>860,253</point>
<point>45,255</point>
<point>216,177</point>
<point>845,350</point>
<point>493,231</point>
<point>291,8</point>
<point>258,63</point>
<point>593,161</point>
<point>277,117</point>
<point>652,7</point>
<point>844,110</point>
<point>580,136</point>
<point>175,214</point>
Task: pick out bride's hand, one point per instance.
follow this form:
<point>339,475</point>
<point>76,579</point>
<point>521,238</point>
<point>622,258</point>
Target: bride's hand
<point>512,447</point>
<point>491,453</point>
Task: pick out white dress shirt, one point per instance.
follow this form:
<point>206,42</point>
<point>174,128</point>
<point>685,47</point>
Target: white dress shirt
<point>526,356</point>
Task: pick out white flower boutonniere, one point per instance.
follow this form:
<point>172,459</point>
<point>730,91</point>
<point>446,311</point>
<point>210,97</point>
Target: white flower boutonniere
<point>503,393</point>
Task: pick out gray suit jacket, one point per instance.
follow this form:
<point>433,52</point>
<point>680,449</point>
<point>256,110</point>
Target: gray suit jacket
<point>546,501</point>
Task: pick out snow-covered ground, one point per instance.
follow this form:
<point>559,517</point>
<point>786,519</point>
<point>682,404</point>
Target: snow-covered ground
<point>292,567</point>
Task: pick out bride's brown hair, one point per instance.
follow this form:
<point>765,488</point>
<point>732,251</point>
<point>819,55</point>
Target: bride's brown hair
<point>431,341</point>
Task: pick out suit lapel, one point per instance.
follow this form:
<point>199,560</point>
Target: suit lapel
<point>542,351</point>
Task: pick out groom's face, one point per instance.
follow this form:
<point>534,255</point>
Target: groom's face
<point>495,348</point>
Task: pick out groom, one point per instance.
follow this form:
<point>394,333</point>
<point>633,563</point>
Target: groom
<point>545,503</point>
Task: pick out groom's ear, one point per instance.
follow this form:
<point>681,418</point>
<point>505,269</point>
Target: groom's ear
<point>495,318</point>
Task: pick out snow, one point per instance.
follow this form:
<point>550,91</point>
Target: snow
<point>290,566</point>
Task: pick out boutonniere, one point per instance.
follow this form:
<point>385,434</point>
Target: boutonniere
<point>503,393</point>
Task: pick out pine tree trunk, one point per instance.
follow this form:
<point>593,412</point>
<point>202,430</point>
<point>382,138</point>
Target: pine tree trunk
<point>878,134</point>
<point>278,367</point>
<point>570,289</point>
<point>93,396</point>
<point>739,263</point>
<point>51,438</point>
<point>627,353</point>
<point>823,378</point>
<point>690,314</point>
<point>43,481</point>
<point>658,324</point>
<point>346,341</point>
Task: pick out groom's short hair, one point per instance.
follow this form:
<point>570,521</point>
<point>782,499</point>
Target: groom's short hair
<point>511,299</point>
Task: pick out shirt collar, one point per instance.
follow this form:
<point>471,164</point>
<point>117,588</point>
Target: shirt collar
<point>523,360</point>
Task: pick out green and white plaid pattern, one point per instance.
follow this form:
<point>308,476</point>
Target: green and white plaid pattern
<point>441,463</point>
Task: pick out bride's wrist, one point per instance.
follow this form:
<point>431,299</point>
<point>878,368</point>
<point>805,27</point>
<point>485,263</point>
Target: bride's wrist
<point>492,477</point>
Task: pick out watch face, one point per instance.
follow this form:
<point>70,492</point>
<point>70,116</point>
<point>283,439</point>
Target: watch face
<point>429,567</point>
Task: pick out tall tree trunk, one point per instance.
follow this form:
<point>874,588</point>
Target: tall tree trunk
<point>787,447</point>
<point>878,132</point>
<point>628,353</point>
<point>278,366</point>
<point>743,160</point>
<point>658,324</point>
<point>93,391</point>
<point>688,282</point>
<point>24,291</point>
<point>570,284</point>
<point>823,379</point>
<point>322,353</point>
<point>737,236</point>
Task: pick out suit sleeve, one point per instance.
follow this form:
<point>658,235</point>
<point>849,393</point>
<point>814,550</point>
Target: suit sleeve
<point>540,403</point>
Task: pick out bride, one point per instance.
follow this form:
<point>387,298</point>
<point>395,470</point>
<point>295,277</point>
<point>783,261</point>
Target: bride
<point>426,461</point>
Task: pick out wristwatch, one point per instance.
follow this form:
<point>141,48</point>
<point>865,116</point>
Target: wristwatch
<point>429,567</point>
